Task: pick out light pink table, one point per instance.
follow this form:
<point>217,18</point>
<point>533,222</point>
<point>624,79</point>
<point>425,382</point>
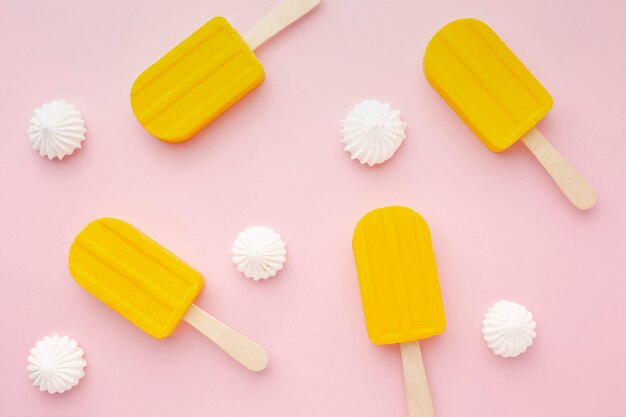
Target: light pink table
<point>501,228</point>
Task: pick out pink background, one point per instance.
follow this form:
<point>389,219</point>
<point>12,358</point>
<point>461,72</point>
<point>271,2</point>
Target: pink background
<point>501,229</point>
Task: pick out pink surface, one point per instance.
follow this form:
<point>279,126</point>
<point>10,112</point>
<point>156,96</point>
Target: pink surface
<point>501,229</point>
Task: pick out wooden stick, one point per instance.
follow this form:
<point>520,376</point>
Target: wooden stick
<point>244,350</point>
<point>415,383</point>
<point>282,16</point>
<point>569,180</point>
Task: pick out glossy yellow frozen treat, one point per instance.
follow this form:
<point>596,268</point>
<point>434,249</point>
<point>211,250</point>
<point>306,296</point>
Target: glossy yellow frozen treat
<point>398,276</point>
<point>485,83</point>
<point>134,275</point>
<point>195,82</point>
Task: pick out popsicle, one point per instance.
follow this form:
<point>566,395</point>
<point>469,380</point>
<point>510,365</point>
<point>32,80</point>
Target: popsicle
<point>150,286</point>
<point>400,291</point>
<point>498,98</point>
<point>206,74</point>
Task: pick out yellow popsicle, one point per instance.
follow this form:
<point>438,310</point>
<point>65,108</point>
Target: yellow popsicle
<point>400,291</point>
<point>134,275</point>
<point>485,83</point>
<point>498,98</point>
<point>195,82</point>
<point>149,285</point>
<point>398,276</point>
<point>206,74</point>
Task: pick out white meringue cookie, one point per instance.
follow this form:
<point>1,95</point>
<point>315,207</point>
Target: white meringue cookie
<point>56,129</point>
<point>56,364</point>
<point>259,252</point>
<point>508,328</point>
<point>372,132</point>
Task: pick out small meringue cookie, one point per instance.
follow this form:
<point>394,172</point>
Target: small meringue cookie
<point>372,132</point>
<point>56,364</point>
<point>56,129</point>
<point>259,252</point>
<point>508,329</point>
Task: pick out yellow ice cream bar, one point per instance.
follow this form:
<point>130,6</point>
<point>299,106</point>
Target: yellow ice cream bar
<point>398,276</point>
<point>134,275</point>
<point>485,83</point>
<point>195,82</point>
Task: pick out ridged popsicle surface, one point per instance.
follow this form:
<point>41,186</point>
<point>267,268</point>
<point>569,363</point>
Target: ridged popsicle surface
<point>397,276</point>
<point>134,275</point>
<point>195,82</point>
<point>485,83</point>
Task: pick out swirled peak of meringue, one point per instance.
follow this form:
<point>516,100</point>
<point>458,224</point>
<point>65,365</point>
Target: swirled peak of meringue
<point>259,252</point>
<point>508,328</point>
<point>56,364</point>
<point>372,132</point>
<point>56,129</point>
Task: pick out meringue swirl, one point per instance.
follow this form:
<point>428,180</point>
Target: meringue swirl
<point>56,364</point>
<point>259,252</point>
<point>508,328</point>
<point>56,129</point>
<point>372,132</point>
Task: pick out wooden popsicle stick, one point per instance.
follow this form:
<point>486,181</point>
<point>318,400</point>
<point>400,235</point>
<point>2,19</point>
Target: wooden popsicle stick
<point>415,382</point>
<point>569,180</point>
<point>242,349</point>
<point>282,16</point>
